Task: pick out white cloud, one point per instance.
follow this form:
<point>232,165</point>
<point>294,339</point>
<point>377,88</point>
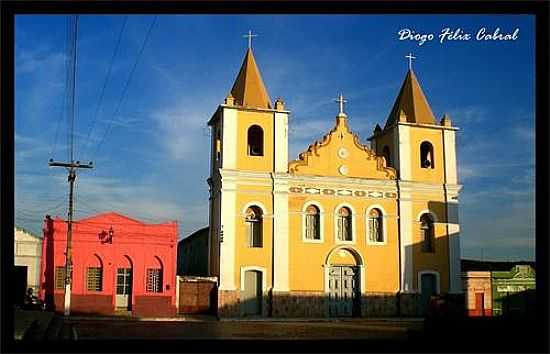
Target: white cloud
<point>183,131</point>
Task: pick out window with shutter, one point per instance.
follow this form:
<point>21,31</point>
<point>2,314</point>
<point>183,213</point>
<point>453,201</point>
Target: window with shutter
<point>60,277</point>
<point>94,278</point>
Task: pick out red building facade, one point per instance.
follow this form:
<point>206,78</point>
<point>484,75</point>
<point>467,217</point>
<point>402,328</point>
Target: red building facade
<point>120,265</point>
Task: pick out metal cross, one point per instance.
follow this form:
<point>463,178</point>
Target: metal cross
<point>410,57</point>
<point>249,36</point>
<point>341,101</point>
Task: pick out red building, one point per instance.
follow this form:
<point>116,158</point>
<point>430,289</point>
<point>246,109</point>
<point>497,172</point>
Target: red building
<point>119,265</point>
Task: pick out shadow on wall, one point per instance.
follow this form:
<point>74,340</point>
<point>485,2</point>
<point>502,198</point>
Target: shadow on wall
<point>315,305</point>
<point>519,304</point>
<point>49,271</point>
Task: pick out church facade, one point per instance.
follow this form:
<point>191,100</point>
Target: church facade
<point>346,229</point>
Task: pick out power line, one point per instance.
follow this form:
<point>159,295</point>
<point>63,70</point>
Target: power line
<point>123,95</point>
<point>87,144</point>
<point>64,102</point>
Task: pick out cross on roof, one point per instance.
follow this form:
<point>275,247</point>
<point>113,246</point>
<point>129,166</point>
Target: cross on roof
<point>249,36</point>
<point>410,57</point>
<point>341,101</point>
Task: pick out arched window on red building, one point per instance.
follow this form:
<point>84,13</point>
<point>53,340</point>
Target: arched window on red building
<point>154,277</point>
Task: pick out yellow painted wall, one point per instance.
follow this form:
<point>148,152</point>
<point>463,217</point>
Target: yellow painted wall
<point>246,119</point>
<point>435,137</point>
<point>386,139</point>
<point>439,260</point>
<point>322,157</point>
<point>306,259</point>
<point>249,256</point>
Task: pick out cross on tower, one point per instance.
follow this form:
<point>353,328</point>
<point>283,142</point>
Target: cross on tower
<point>410,57</point>
<point>341,101</point>
<point>249,36</point>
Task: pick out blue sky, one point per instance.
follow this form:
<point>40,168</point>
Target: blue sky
<point>153,163</point>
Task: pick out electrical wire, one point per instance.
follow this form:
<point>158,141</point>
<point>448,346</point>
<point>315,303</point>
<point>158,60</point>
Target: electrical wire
<point>87,143</point>
<point>124,91</point>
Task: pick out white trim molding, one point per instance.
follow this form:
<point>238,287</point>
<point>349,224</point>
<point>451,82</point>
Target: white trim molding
<point>321,222</point>
<point>437,280</point>
<point>353,224</point>
<point>384,225</point>
<point>256,268</point>
<point>255,203</point>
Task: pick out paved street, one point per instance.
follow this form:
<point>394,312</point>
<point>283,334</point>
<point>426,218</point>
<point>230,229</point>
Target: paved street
<point>125,329</point>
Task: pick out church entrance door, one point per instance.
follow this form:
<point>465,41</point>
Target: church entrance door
<point>343,290</point>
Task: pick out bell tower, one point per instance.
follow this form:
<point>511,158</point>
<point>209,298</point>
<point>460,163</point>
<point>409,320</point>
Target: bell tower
<point>423,152</point>
<point>249,164</point>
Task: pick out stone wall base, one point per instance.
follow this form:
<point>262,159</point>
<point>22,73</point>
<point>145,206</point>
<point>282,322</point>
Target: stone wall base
<point>299,304</point>
<point>409,304</point>
<point>379,305</point>
<point>315,304</point>
<point>228,303</point>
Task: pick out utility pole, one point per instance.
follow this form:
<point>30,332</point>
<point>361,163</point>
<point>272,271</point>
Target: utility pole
<point>69,251</point>
<point>71,165</point>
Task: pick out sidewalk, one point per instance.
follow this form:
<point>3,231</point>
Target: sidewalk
<point>178,318</point>
<point>324,319</point>
<point>31,323</point>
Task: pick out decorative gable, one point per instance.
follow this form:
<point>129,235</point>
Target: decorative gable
<point>341,154</point>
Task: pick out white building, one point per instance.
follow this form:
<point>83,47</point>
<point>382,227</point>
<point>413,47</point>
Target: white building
<point>27,253</point>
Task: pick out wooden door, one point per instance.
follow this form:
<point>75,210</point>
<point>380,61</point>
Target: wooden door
<point>429,288</point>
<point>480,305</point>
<point>343,290</point>
<point>251,297</point>
<point>124,288</point>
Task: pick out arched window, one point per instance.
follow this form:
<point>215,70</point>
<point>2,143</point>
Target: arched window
<point>254,226</point>
<point>255,141</point>
<point>154,277</point>
<point>386,153</point>
<point>428,234</point>
<point>375,226</point>
<point>426,155</point>
<point>94,275</point>
<point>344,224</point>
<point>313,223</point>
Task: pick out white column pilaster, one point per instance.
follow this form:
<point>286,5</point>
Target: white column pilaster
<point>404,152</point>
<point>229,138</point>
<point>280,234</point>
<point>227,246</point>
<point>406,246</point>
<point>453,229</point>
<point>281,141</point>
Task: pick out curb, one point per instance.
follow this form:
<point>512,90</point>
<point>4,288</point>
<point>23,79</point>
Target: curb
<point>141,319</point>
<point>324,319</point>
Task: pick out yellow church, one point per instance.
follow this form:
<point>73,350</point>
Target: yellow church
<point>346,229</point>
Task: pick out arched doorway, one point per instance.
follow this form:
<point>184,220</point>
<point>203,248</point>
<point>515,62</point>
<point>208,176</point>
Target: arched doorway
<point>124,284</point>
<point>343,282</point>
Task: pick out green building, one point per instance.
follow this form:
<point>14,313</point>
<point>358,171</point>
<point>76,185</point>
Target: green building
<point>514,291</point>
